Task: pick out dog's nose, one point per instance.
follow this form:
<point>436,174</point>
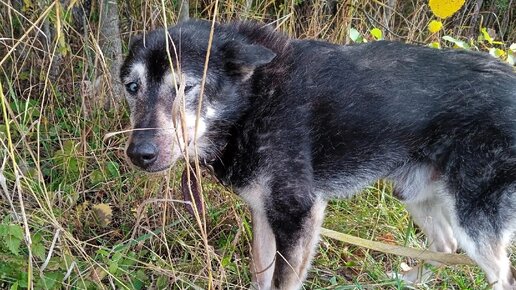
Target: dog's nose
<point>143,154</point>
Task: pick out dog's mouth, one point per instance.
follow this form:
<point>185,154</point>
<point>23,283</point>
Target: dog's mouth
<point>161,169</point>
<point>151,159</point>
<point>148,156</point>
<point>157,152</point>
<point>148,152</point>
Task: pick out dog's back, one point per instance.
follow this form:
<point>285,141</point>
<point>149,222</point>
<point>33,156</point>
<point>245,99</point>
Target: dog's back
<point>388,103</point>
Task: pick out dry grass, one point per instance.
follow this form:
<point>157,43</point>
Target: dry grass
<point>57,173</point>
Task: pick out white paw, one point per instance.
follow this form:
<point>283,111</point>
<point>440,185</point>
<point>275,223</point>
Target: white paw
<point>420,274</point>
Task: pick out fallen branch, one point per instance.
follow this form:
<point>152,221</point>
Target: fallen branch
<point>445,258</point>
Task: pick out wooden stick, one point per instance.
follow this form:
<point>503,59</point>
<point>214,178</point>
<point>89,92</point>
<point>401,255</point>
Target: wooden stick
<point>445,258</point>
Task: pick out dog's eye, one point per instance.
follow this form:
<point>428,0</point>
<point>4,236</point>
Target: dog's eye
<point>188,88</point>
<point>132,87</point>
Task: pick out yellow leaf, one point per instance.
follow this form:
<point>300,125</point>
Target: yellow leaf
<point>97,274</point>
<point>435,26</point>
<point>435,45</point>
<point>103,213</point>
<point>377,33</point>
<point>500,52</point>
<point>496,52</point>
<point>445,8</point>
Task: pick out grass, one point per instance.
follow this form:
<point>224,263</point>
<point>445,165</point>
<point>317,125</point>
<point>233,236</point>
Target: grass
<point>75,216</point>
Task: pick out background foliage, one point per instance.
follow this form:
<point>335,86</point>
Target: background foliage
<point>74,215</point>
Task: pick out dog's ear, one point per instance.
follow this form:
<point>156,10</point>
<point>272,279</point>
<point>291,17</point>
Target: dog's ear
<point>242,59</point>
<point>135,40</point>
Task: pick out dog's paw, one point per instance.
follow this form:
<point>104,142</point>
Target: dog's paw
<point>257,286</point>
<point>419,274</point>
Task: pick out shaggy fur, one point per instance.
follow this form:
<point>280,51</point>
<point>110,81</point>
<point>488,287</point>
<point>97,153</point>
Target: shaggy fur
<point>291,123</point>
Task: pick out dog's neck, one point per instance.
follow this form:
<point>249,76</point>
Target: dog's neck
<point>232,133</point>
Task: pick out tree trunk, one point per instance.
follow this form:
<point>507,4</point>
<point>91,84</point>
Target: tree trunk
<point>111,46</point>
<point>184,10</point>
<point>473,30</point>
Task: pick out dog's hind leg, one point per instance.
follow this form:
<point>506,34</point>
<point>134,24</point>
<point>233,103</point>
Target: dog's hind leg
<point>419,187</point>
<point>488,250</point>
<point>484,232</point>
<point>433,218</point>
<point>485,208</point>
<point>490,253</point>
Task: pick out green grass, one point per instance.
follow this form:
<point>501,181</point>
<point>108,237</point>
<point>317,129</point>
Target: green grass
<point>95,223</point>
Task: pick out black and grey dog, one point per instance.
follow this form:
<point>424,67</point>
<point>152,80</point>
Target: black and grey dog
<point>292,123</point>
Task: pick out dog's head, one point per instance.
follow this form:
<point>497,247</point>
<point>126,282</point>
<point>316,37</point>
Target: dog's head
<point>163,78</point>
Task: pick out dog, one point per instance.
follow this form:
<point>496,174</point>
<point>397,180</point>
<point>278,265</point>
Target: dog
<point>289,124</point>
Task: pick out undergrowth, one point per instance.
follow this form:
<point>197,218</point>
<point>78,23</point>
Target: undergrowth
<point>75,216</point>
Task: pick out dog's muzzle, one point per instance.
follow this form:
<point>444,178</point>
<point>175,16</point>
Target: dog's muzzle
<point>143,154</point>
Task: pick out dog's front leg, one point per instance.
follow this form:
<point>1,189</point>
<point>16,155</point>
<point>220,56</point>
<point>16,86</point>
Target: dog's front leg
<point>263,252</point>
<point>287,217</point>
<point>295,222</point>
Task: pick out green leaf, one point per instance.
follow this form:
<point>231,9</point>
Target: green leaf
<point>103,252</point>
<point>22,279</point>
<point>3,131</point>
<point>354,35</point>
<point>225,261</point>
<point>14,286</point>
<point>139,279</point>
<point>50,280</point>
<point>68,160</point>
<point>24,75</point>
<point>38,250</point>
<point>113,267</point>
<point>128,261</point>
<point>113,168</point>
<point>3,230</point>
<point>116,256</point>
<point>15,231</point>
<point>377,33</point>
<point>486,35</point>
<point>457,42</point>
<point>73,165</point>
<point>13,245</point>
<point>96,177</point>
<point>13,235</point>
<point>162,282</point>
<point>69,146</point>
